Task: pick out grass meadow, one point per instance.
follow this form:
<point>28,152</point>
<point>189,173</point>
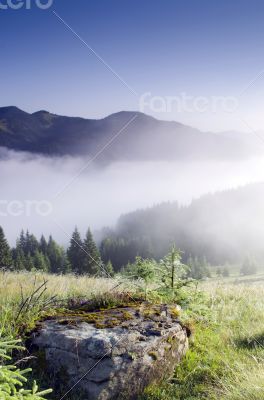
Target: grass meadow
<point>226,356</point>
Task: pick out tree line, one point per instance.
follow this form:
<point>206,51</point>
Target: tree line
<point>115,254</point>
<point>81,257</point>
<point>224,227</point>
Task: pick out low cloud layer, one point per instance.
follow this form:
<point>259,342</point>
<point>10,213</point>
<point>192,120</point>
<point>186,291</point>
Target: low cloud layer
<point>53,195</point>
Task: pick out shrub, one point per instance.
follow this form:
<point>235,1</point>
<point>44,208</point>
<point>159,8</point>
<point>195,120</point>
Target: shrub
<point>142,272</point>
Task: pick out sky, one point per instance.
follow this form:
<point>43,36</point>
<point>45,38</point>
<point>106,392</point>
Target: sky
<point>197,62</point>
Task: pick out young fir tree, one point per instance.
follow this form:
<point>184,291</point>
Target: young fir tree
<point>173,273</point>
<point>5,252</point>
<point>75,252</point>
<point>91,257</point>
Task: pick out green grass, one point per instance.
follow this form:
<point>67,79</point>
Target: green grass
<point>226,355</point>
<point>16,287</point>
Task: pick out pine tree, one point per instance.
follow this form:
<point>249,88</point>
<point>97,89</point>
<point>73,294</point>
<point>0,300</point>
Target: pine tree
<point>19,258</point>
<point>29,262</point>
<point>65,266</point>
<point>47,262</point>
<point>32,244</point>
<point>22,242</point>
<point>52,254</point>
<point>27,245</point>
<point>91,258</point>
<point>5,252</point>
<point>59,261</point>
<point>57,257</point>
<point>43,245</point>
<point>75,252</point>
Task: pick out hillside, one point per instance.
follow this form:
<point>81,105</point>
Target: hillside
<point>223,227</point>
<point>140,137</point>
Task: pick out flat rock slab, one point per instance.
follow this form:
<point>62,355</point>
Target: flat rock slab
<point>112,354</point>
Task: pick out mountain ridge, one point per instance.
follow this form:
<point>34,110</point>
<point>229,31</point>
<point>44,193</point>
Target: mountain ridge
<point>140,137</point>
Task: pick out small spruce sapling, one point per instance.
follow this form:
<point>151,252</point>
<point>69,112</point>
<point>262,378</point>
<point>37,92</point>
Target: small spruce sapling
<point>172,272</point>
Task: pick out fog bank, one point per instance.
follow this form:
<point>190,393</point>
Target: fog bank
<point>48,195</point>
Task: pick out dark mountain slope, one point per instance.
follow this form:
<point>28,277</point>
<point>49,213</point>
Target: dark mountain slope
<point>138,137</point>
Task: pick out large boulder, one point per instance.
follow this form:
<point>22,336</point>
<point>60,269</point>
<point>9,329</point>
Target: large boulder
<point>112,354</point>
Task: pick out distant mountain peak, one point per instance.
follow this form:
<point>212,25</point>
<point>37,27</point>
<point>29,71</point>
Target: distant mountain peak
<point>131,113</point>
<point>127,115</point>
<point>11,109</point>
<point>143,138</point>
<point>41,112</point>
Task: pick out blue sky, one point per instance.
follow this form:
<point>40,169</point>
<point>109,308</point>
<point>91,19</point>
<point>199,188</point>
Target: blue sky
<point>163,47</point>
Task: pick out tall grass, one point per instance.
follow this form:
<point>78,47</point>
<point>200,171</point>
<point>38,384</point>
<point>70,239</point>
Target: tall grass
<point>226,356</point>
<point>14,287</point>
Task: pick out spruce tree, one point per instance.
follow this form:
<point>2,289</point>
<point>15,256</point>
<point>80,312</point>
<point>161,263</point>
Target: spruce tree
<point>32,244</point>
<point>43,245</point>
<point>55,255</point>
<point>5,252</point>
<point>29,262</point>
<point>22,242</point>
<point>64,266</point>
<point>40,261</point>
<point>91,258</point>
<point>27,243</point>
<point>19,258</point>
<point>75,252</point>
<point>47,262</point>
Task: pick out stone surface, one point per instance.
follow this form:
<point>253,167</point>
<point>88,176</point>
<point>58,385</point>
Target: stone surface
<point>112,354</point>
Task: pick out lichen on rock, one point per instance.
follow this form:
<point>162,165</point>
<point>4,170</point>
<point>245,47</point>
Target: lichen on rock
<point>113,353</point>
